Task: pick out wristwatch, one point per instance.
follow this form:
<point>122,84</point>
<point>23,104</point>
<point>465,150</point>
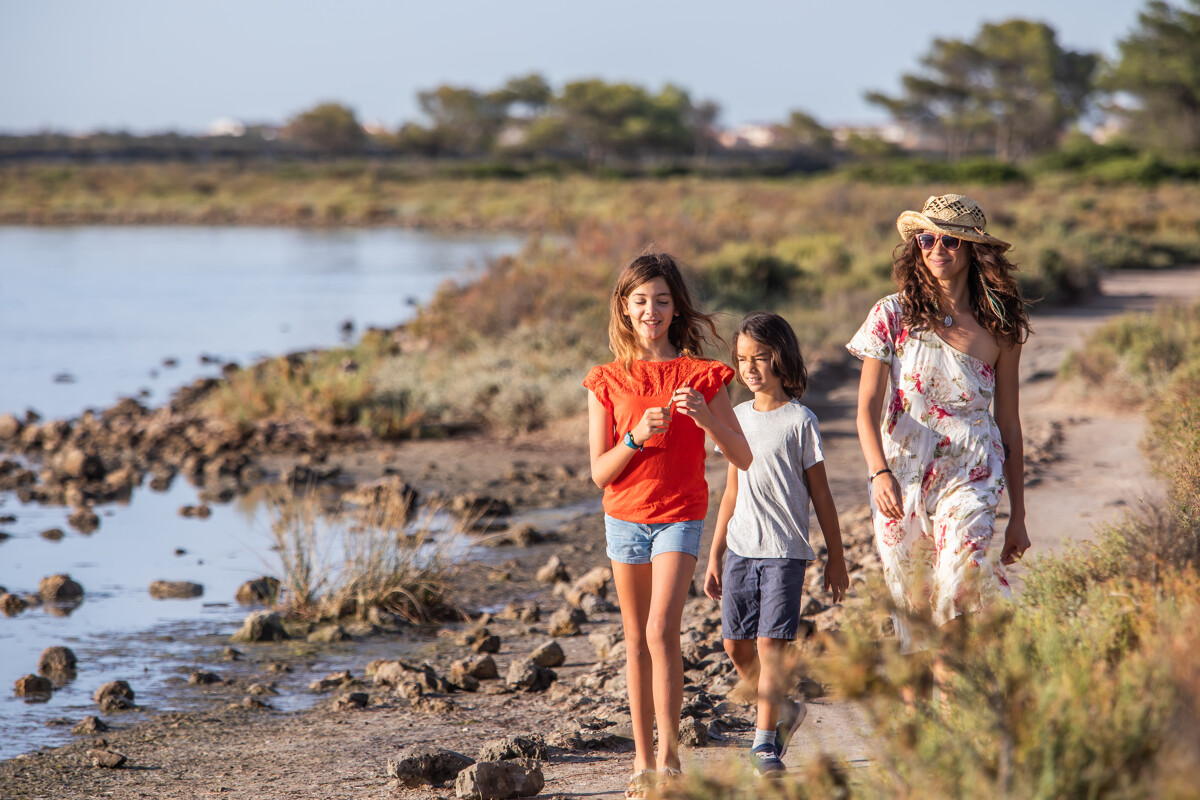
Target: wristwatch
<point>628,441</point>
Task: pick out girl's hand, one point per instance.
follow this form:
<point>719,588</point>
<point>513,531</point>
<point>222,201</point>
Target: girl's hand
<point>1016,542</point>
<point>712,579</point>
<point>691,403</point>
<point>837,580</point>
<point>888,499</point>
<point>655,420</point>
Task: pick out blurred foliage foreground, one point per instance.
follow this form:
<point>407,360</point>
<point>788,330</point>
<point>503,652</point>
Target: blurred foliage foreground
<point>1089,687</point>
<point>507,347</point>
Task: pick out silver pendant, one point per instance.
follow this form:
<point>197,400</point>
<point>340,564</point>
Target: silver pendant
<point>948,321</point>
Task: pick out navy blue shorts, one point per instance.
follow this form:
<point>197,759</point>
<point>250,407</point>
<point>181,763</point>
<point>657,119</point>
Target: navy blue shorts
<point>760,597</point>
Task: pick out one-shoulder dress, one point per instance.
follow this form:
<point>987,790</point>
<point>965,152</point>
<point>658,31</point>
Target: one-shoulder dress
<point>942,444</point>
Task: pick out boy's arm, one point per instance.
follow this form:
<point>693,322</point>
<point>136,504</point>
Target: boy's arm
<point>837,581</point>
<point>716,553</point>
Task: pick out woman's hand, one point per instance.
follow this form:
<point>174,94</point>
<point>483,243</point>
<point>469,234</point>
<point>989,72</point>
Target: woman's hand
<point>691,403</point>
<point>1016,542</point>
<point>655,420</point>
<point>888,499</point>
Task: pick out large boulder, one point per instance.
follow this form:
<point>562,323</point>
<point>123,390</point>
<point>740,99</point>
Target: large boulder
<point>59,589</point>
<point>56,660</point>
<point>178,590</point>
<point>261,591</point>
<point>33,687</point>
<point>427,766</point>
<point>261,626</point>
<point>495,780</point>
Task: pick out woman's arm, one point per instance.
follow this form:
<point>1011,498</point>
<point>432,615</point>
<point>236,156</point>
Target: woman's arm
<point>1008,420</point>
<point>872,388</point>
<point>720,542</point>
<point>716,418</point>
<point>609,458</point>
<point>837,580</point>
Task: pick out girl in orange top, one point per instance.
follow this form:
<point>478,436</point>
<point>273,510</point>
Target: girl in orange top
<point>648,413</point>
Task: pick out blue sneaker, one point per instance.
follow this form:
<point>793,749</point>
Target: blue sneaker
<point>766,760</point>
<point>791,716</point>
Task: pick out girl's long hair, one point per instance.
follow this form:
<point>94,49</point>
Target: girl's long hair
<point>774,333</point>
<point>996,301</point>
<point>689,331</point>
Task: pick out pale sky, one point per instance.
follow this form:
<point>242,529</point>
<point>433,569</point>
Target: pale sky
<point>153,65</point>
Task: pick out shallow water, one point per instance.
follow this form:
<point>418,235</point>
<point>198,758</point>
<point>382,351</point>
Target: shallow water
<point>105,307</point>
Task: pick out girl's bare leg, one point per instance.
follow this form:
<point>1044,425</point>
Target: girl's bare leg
<point>671,576</point>
<point>634,587</point>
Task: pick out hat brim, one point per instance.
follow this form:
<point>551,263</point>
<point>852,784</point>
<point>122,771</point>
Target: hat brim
<point>910,223</point>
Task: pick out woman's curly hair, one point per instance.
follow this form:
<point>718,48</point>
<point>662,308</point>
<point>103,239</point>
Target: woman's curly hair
<point>996,300</point>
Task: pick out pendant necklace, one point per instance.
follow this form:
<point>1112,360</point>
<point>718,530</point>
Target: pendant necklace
<point>948,321</point>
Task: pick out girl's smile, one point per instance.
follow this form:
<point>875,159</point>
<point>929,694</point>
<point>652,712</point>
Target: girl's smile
<point>651,308</point>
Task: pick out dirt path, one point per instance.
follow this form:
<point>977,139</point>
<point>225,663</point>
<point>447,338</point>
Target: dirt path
<point>321,753</point>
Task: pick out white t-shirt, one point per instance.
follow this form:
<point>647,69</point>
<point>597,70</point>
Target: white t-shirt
<point>770,519</point>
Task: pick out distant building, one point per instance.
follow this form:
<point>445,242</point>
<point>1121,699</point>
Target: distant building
<point>374,127</point>
<point>755,137</point>
<point>225,126</point>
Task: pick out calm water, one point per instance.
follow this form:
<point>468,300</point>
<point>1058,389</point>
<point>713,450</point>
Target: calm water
<point>106,306</point>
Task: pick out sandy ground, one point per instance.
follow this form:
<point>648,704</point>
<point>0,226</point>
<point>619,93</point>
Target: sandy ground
<point>1099,473</point>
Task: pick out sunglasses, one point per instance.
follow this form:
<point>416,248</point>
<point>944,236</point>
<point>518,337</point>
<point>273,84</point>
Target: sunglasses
<point>927,241</point>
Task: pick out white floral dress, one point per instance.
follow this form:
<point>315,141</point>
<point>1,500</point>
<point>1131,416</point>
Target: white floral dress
<point>943,446</point>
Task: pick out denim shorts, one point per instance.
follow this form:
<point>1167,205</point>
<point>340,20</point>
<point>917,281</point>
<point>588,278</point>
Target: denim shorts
<point>760,597</point>
<point>639,542</point>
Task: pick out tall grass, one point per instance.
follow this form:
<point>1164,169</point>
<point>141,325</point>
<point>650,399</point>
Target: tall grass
<point>343,561</point>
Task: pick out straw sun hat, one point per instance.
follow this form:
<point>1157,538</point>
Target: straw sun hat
<point>949,213</point>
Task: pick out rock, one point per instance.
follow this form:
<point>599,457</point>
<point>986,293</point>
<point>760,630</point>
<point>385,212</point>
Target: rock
<point>199,512</point>
<point>261,591</point>
<point>90,726</point>
<point>529,676</point>
<point>331,681</point>
<point>354,700</point>
<point>487,644</point>
<point>178,590</point>
<point>605,642</point>
<point>477,505</point>
<point>693,733</point>
<point>521,611</point>
<point>202,678</point>
<point>329,633</point>
<point>553,572</point>
<point>389,497</point>
<point>52,534</point>
<point>549,654</point>
<point>397,673</point>
<point>594,581</point>
<point>427,766</point>
<point>409,689</point>
<point>258,689</point>
<point>566,622</point>
<point>261,626</point>
<point>481,668</point>
<point>231,654</point>
<point>33,687</point>
<point>59,588</point>
<point>493,780</point>
<point>11,604</point>
<point>106,758</point>
<point>10,427</point>
<point>592,604</point>
<point>532,745</point>
<point>79,464</point>
<point>114,696</point>
<point>439,706</point>
<point>84,520</point>
<point>252,703</point>
<point>56,660</point>
<point>810,689</point>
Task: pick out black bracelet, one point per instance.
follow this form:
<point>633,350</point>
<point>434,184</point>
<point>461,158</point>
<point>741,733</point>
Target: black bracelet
<point>875,475</point>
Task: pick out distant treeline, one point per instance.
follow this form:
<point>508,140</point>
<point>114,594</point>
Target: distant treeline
<point>1001,101</point>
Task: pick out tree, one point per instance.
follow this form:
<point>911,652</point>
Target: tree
<point>1159,69</point>
<point>1013,86</point>
<point>464,120</point>
<point>620,119</point>
<point>329,128</point>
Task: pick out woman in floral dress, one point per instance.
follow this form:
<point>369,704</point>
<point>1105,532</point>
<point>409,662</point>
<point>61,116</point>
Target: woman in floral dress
<point>943,352</point>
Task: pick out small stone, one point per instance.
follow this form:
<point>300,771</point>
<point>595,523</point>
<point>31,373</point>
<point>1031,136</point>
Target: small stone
<point>253,703</point>
<point>114,696</point>
<point>481,668</point>
<point>693,733</point>
<point>549,654</point>
<point>531,745</point>
<point>11,604</point>
<point>566,622</point>
<point>59,588</point>
<point>427,766</point>
<point>529,676</point>
<point>605,643</point>
<point>487,644</point>
<point>261,591</point>
<point>261,626</point>
<point>175,590</point>
<point>106,758</point>
<point>201,678</point>
<point>496,780</point>
<point>84,520</point>
<point>90,726</point>
<point>354,700</point>
<point>52,534</point>
<point>331,681</point>
<point>553,572</point>
<point>439,706</point>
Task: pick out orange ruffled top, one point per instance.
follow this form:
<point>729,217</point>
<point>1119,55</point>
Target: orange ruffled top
<point>665,482</point>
